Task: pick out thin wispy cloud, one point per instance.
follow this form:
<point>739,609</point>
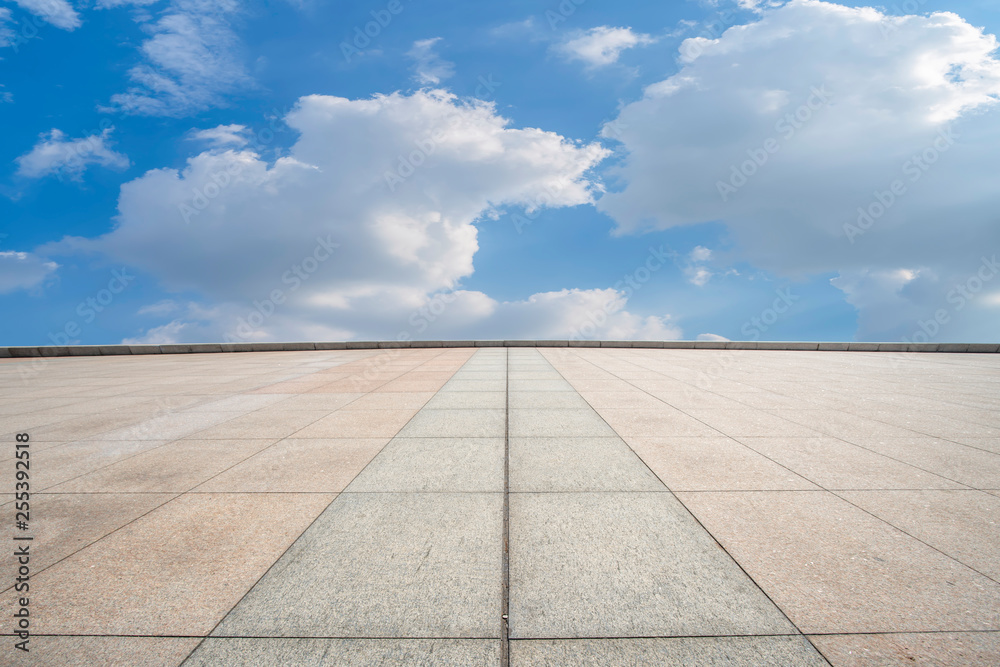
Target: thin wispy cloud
<point>56,12</point>
<point>191,62</point>
<point>429,68</point>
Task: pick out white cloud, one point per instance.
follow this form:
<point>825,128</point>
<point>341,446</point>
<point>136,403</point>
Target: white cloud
<point>697,275</point>
<point>700,254</point>
<point>429,67</point>
<point>69,158</point>
<point>23,270</point>
<point>110,4</point>
<point>160,308</point>
<point>601,46</point>
<point>57,12</point>
<point>845,98</point>
<point>192,61</point>
<point>6,32</point>
<point>223,135</point>
<point>402,243</point>
<point>716,338</point>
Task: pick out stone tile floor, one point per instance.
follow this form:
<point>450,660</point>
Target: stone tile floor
<point>523,506</point>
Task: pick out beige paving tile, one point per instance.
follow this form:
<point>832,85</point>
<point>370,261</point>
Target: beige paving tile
<point>834,568</point>
<point>91,651</point>
<point>963,524</point>
<point>843,425</point>
<point>664,422</point>
<point>327,401</point>
<point>696,651</point>
<point>59,464</point>
<point>750,422</point>
<point>388,400</point>
<point>62,524</point>
<point>299,464</point>
<point>176,571</point>
<point>621,399</point>
<point>967,465</point>
<point>268,424</point>
<point>951,649</point>
<point>835,464</point>
<point>713,464</point>
<point>175,467</point>
<point>358,424</point>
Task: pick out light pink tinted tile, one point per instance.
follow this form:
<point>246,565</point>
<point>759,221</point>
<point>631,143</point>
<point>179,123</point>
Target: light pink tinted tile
<point>963,524</point>
<point>835,464</point>
<point>950,649</point>
<point>967,465</point>
<point>89,651</point>
<point>300,464</point>
<point>835,568</point>
<point>176,571</point>
<point>664,422</point>
<point>713,464</point>
<point>358,424</point>
<point>62,524</point>
<point>175,467</point>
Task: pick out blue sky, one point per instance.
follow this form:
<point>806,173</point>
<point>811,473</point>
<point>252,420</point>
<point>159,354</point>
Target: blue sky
<point>193,171</point>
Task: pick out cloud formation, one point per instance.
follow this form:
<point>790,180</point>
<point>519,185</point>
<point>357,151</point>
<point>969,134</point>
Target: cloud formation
<point>55,154</point>
<point>365,229</point>
<point>600,46</point>
<point>56,12</point>
<point>23,270</point>
<point>818,118</point>
<point>429,67</point>
<point>192,61</point>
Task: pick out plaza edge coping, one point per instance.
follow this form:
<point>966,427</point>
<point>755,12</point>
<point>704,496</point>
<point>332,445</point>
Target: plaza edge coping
<point>101,350</point>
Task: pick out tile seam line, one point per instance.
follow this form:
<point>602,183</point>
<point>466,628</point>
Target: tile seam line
<point>837,493</point>
<point>505,562</point>
<point>292,435</point>
<point>822,488</point>
<point>523,639</point>
<point>175,495</point>
<point>174,412</point>
<point>819,405</point>
<point>740,438</point>
<point>695,518</point>
<point>305,530</point>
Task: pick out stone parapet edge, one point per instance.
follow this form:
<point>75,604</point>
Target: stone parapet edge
<point>101,350</point>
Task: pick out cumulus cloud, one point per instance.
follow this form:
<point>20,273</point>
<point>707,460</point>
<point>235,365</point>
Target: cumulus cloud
<point>601,46</point>
<point>23,270</point>
<point>320,246</point>
<point>429,67</point>
<point>192,61</point>
<point>793,128</point>
<point>56,12</point>
<point>55,154</point>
